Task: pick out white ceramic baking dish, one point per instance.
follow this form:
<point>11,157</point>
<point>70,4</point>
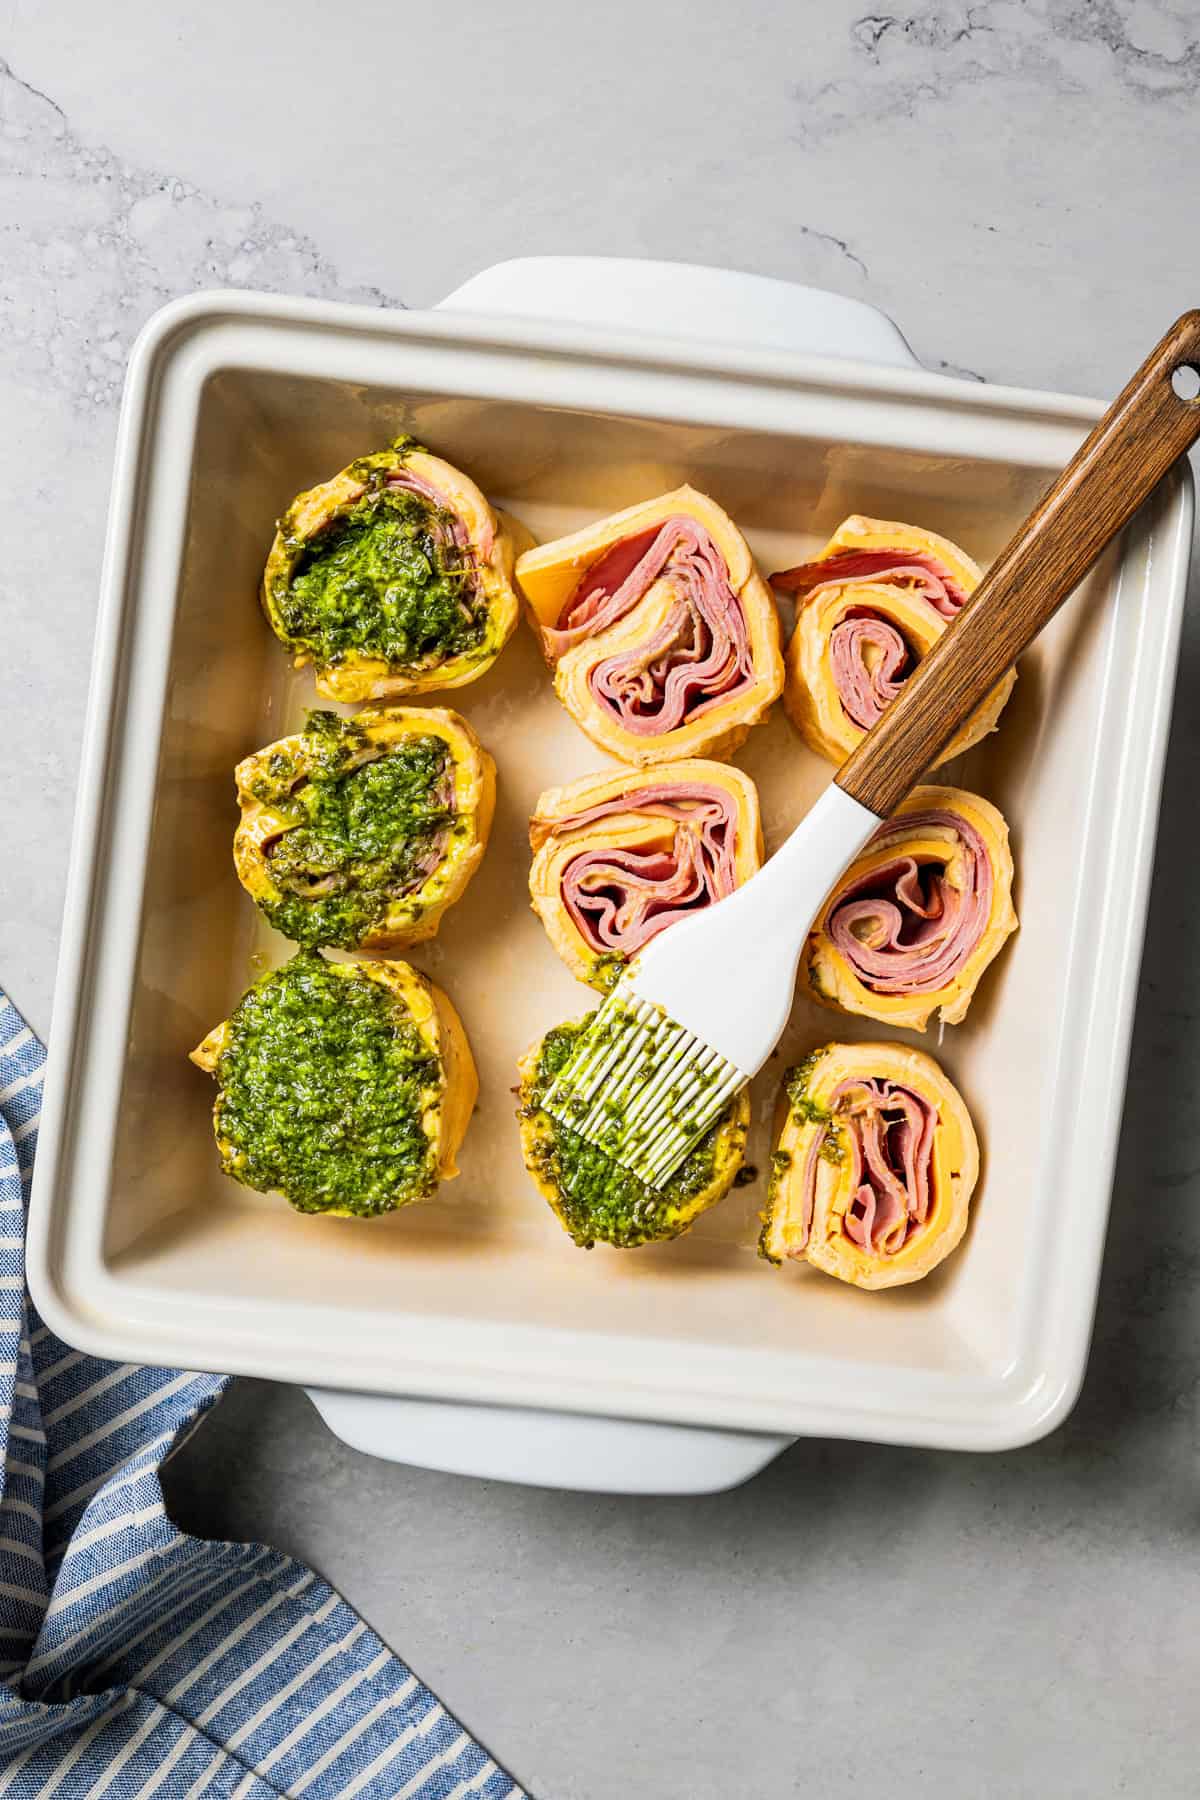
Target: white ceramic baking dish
<point>502,1348</point>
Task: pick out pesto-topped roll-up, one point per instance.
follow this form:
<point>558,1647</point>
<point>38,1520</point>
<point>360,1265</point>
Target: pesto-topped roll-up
<point>344,1086</point>
<point>876,1163</point>
<point>662,634</point>
<point>620,856</point>
<point>361,832</point>
<point>919,915</point>
<point>868,609</point>
<point>393,578</point>
<point>594,1199</point>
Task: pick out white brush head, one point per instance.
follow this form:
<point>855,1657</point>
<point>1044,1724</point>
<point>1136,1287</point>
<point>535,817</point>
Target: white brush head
<point>641,1088</point>
<point>704,1004</point>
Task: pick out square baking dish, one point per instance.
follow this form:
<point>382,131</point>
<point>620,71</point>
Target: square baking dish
<point>141,1250</point>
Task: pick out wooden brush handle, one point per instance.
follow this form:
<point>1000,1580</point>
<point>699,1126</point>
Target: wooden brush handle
<point>1143,432</point>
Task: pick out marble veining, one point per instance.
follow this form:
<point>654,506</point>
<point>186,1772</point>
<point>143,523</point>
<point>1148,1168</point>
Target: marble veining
<point>1149,52</point>
<point>100,242</point>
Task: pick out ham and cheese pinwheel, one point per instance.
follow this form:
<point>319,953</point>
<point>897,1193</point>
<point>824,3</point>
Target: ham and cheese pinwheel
<point>346,1086</point>
<point>661,633</point>
<point>920,913</point>
<point>876,1163</point>
<point>867,610</point>
<point>394,577</point>
<point>361,832</point>
<point>619,857</point>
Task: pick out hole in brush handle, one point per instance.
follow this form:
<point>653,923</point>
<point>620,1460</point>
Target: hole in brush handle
<point>1123,459</point>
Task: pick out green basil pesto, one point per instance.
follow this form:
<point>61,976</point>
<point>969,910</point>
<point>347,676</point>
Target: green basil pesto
<point>362,836</point>
<point>607,969</point>
<point>807,1111</point>
<point>804,1109</point>
<point>323,1084</point>
<point>597,1198</point>
<point>385,578</point>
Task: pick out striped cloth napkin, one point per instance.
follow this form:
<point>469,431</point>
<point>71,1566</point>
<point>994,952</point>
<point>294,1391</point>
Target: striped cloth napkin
<point>135,1660</point>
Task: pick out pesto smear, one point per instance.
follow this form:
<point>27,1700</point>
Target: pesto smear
<point>598,1199</point>
<point>363,833</point>
<point>807,1111</point>
<point>385,578</point>
<point>323,1085</point>
<point>607,969</point>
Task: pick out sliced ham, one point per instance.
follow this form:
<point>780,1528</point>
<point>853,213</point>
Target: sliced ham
<point>903,928</point>
<point>925,575</point>
<point>870,662</point>
<point>869,657</point>
<point>447,525</point>
<point>619,899</point>
<point>413,484</point>
<point>889,1130</point>
<point>698,657</point>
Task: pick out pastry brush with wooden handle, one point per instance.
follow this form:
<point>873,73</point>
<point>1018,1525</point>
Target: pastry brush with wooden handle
<point>704,1004</point>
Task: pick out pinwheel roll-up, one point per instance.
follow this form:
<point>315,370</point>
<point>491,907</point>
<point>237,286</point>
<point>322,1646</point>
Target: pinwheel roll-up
<point>919,914</point>
<point>361,832</point>
<point>344,1086</point>
<point>875,1167</point>
<point>393,578</point>
<point>620,857</point>
<point>594,1199</point>
<point>661,633</point>
<point>867,610</point>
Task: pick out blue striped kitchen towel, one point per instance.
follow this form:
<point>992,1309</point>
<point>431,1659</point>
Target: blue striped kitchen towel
<point>138,1661</point>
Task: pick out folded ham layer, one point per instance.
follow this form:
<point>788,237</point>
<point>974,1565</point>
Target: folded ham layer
<point>922,574</point>
<point>903,928</point>
<point>701,653</point>
<point>888,1131</point>
<point>869,656</point>
<point>621,898</point>
<point>870,662</point>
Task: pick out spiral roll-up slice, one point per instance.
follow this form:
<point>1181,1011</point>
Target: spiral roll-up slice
<point>594,1199</point>
<point>875,1167</point>
<point>919,914</point>
<point>361,832</point>
<point>661,633</point>
<point>344,1086</point>
<point>867,610</point>
<point>620,857</point>
<point>393,578</point>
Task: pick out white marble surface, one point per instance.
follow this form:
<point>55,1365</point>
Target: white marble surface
<point>1014,182</point>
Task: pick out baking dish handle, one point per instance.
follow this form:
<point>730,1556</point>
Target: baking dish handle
<point>576,1450</point>
<point>685,300</point>
<point>547,1449</point>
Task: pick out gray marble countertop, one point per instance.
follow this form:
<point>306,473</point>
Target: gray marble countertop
<point>1014,183</point>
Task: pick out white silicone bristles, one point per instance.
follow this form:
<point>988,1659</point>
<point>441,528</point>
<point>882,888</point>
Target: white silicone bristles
<point>642,1088</point>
